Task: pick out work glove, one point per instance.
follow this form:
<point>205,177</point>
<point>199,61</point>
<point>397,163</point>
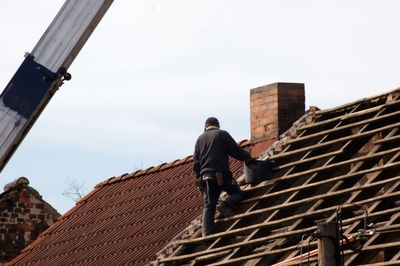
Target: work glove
<point>199,183</point>
<point>251,160</point>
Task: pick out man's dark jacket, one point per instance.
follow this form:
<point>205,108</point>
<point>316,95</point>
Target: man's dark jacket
<point>212,150</point>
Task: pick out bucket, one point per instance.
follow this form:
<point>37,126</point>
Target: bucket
<point>257,171</point>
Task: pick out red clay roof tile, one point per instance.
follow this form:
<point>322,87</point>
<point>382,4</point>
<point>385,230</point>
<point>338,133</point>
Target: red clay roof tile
<point>125,219</point>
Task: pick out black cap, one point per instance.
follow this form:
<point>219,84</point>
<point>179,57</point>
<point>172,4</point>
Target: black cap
<point>212,121</point>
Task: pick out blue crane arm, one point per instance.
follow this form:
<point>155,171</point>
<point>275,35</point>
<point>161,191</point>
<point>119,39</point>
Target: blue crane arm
<point>43,70</point>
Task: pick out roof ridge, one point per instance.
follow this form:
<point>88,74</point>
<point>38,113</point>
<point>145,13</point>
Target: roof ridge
<point>347,105</point>
<point>158,168</point>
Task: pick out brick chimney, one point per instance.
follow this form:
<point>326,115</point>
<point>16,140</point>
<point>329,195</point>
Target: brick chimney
<point>274,108</point>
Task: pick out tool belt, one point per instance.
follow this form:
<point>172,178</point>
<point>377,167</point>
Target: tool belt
<point>217,176</point>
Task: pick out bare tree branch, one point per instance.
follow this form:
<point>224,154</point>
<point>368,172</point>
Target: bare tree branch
<point>75,190</point>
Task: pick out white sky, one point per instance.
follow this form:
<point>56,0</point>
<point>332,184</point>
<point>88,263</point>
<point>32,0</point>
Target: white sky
<point>154,70</point>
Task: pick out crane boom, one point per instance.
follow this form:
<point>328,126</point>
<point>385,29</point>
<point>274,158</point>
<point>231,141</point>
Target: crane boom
<point>44,69</point>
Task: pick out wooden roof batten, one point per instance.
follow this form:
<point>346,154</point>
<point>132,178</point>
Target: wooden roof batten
<point>320,201</point>
<point>329,168</point>
<point>194,230</point>
<point>346,224</point>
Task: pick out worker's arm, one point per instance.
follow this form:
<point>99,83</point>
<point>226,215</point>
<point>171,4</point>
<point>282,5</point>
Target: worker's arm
<point>196,163</point>
<point>196,168</point>
<point>235,150</point>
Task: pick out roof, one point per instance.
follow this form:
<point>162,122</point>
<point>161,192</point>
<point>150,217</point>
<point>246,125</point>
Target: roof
<point>23,216</point>
<point>338,165</point>
<point>126,219</point>
<point>14,188</point>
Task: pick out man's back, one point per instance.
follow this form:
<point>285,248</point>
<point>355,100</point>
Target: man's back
<point>211,167</point>
<point>212,150</point>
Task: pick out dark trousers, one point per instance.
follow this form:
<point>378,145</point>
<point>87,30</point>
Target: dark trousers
<point>211,193</point>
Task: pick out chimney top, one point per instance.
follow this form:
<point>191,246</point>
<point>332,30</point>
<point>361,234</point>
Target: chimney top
<point>274,108</point>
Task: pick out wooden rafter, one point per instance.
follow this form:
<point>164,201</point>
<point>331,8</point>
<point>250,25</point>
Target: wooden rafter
<point>299,194</point>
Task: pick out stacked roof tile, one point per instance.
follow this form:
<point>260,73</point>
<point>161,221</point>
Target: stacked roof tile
<point>339,165</point>
<point>125,219</point>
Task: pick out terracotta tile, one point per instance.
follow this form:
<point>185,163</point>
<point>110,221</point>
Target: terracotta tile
<point>148,206</point>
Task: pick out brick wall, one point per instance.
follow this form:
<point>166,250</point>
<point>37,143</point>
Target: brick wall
<point>274,108</point>
<point>23,216</point>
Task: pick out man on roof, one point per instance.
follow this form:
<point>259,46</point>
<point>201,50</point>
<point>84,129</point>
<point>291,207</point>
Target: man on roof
<point>211,167</point>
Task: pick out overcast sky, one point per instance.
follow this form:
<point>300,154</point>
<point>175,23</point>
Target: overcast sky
<point>154,70</point>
